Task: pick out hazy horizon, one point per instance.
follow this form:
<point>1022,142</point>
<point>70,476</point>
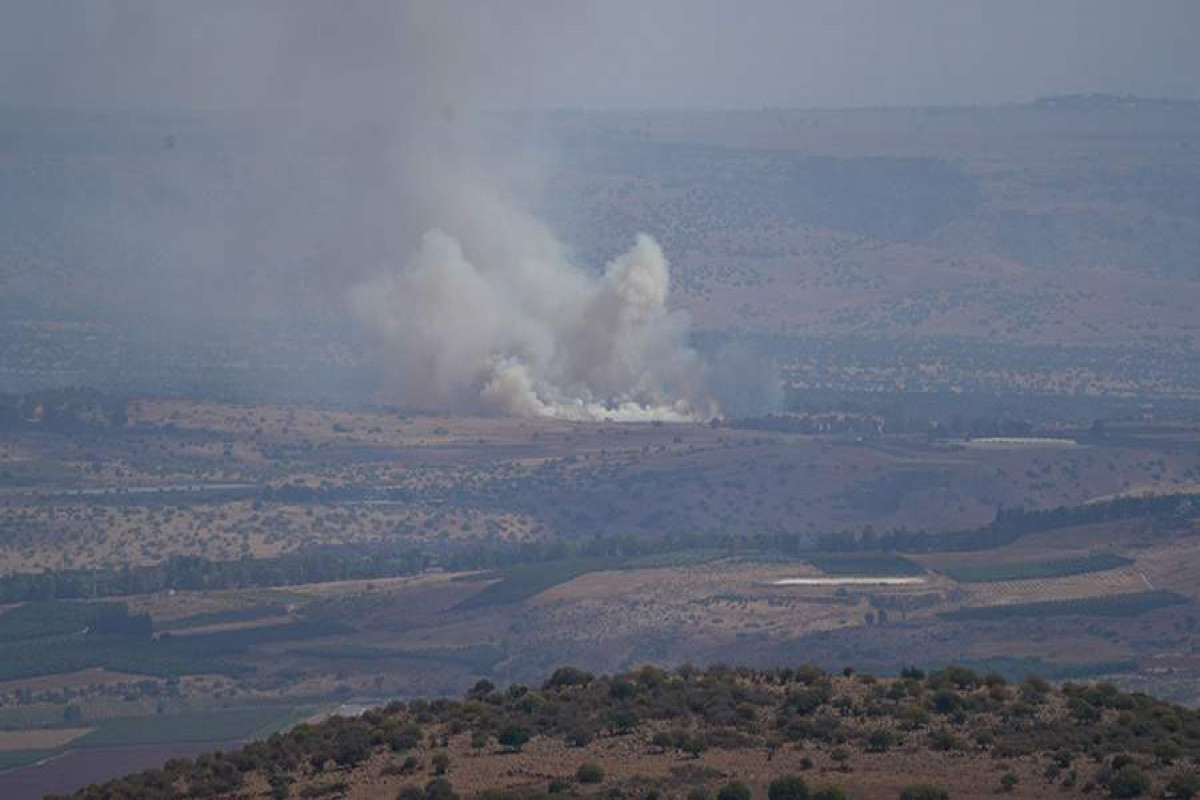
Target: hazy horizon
<point>534,55</point>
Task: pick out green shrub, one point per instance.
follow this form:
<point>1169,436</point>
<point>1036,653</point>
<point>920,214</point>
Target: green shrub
<point>924,791</point>
<point>788,787</point>
<point>880,741</point>
<point>513,737</point>
<point>568,676</point>
<point>734,790</point>
<point>829,793</point>
<point>589,773</point>
<point>1128,781</point>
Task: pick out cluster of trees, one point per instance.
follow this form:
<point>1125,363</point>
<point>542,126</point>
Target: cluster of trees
<point>1011,524</point>
<point>68,410</point>
<point>1136,740</point>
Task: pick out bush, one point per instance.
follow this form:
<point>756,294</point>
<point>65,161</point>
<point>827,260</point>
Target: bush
<point>569,676</point>
<point>513,737</point>
<point>1184,786</point>
<point>947,701</point>
<point>788,787</point>
<point>440,789</point>
<point>734,790</point>
<point>1128,781</point>
<point>829,793</point>
<point>1167,751</point>
<point>589,773</point>
<point>880,741</point>
<point>440,763</point>
<point>944,740</point>
<point>924,791</point>
<point>1008,782</point>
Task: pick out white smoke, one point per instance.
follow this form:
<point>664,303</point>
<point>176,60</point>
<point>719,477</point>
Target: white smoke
<point>518,329</point>
<point>324,139</point>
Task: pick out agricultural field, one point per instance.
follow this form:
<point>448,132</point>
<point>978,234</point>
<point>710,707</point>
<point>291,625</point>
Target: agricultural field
<point>1028,570</point>
<point>640,544</point>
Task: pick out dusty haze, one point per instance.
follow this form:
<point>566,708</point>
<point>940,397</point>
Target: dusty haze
<point>366,179</point>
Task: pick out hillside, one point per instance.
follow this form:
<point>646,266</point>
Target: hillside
<point>786,734</point>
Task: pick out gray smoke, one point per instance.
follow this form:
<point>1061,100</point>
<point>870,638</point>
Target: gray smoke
<point>475,305</point>
<point>366,173</point>
<point>516,329</point>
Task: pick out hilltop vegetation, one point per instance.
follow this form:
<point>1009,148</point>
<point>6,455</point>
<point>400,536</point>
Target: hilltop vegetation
<point>795,733</point>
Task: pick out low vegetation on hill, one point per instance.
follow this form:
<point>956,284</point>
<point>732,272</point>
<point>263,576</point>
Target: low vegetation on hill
<point>736,734</point>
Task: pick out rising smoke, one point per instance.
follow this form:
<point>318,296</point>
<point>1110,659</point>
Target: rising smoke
<point>488,313</point>
<point>370,179</point>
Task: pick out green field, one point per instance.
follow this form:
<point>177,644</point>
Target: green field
<point>163,657</point>
<point>43,619</point>
<point>11,759</point>
<point>1116,605</point>
<point>1018,669</point>
<point>21,474</point>
<point>1029,570</point>
<point>199,726</point>
<point>226,725</point>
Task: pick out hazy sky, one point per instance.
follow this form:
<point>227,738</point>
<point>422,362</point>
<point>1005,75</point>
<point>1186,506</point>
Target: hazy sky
<point>616,53</point>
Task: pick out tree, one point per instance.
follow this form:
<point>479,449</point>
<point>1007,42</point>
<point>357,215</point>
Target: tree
<point>589,773</point>
<point>734,790</point>
<point>352,745</point>
<point>694,745</point>
<point>1128,781</point>
<point>880,741</point>
<point>1167,751</point>
<point>513,737</point>
<point>947,701</point>
<point>569,676</point>
<point>440,789</point>
<point>788,787</point>
<point>440,763</point>
<point>829,793</point>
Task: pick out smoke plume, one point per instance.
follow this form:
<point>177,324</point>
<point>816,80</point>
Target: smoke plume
<point>480,308</point>
<point>321,161</point>
<point>488,313</point>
